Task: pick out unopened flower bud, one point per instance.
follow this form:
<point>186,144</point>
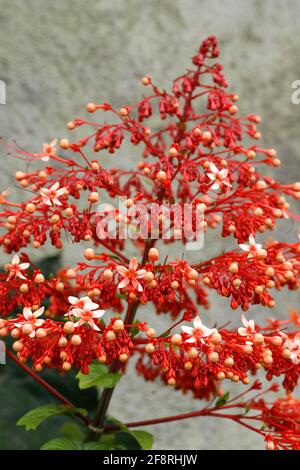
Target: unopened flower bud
<point>153,254</point>
<point>149,348</point>
<point>146,81</point>
<point>76,340</point>
<point>27,329</point>
<point>93,197</point>
<point>39,278</point>
<point>69,327</point>
<point>30,208</point>
<point>176,339</point>
<point>118,325</point>
<point>62,342</point>
<point>89,254</point>
<point>91,107</point>
<point>161,176</point>
<point>233,268</point>
<point>110,335</point>
<point>64,143</point>
<point>213,356</point>
<point>123,357</point>
<point>150,333</point>
<point>107,274</point>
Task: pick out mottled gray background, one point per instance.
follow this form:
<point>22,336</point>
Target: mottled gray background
<point>56,56</point>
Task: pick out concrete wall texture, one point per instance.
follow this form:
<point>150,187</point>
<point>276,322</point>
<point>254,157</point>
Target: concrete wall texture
<point>56,56</point>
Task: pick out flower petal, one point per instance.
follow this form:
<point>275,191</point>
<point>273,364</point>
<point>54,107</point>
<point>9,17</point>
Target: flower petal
<point>27,312</point>
<point>187,329</point>
<point>140,274</point>
<point>133,264</point>
<point>15,261</point>
<point>122,270</point>
<point>123,283</point>
<point>197,323</point>
<point>39,312</point>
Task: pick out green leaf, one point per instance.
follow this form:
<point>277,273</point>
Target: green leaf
<point>98,376</point>
<point>20,393</point>
<point>71,430</point>
<point>96,446</point>
<point>63,443</point>
<point>35,417</point>
<point>128,441</point>
<point>223,399</point>
<point>144,438</point>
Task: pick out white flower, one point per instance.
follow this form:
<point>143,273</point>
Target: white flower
<point>50,196</point>
<point>31,318</point>
<point>218,176</point>
<point>249,327</point>
<point>86,310</point>
<point>49,150</point>
<point>198,331</point>
<point>252,248</point>
<point>15,268</point>
<point>131,275</point>
<point>294,346</point>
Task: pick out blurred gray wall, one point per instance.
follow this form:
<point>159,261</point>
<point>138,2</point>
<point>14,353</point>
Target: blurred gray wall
<point>56,56</point>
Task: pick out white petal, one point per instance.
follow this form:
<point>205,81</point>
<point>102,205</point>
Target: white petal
<point>223,173</point>
<point>244,247</point>
<point>139,287</point>
<point>55,186</point>
<point>20,275</point>
<point>93,325</point>
<point>215,186</point>
<point>213,168</point>
<point>244,320</point>
<point>122,270</point>
<point>140,274</point>
<point>60,192</point>
<point>90,306</point>
<point>39,312</point>
<point>98,313</point>
<point>252,239</point>
<point>133,264</point>
<point>197,323</point>
<point>27,312</point>
<point>72,300</point>
<point>56,202</point>
<point>24,266</point>
<point>187,329</point>
<point>15,261</point>
<point>242,332</point>
<point>208,331</point>
<point>191,340</point>
<point>123,283</point>
<point>39,322</point>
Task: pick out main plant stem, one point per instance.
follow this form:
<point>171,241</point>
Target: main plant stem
<point>98,423</point>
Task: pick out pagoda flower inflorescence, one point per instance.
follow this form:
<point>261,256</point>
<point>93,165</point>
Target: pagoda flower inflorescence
<point>88,313</point>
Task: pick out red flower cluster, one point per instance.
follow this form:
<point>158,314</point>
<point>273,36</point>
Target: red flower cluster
<point>199,158</point>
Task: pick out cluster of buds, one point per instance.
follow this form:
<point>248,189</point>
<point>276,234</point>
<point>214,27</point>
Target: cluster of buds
<point>197,157</point>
